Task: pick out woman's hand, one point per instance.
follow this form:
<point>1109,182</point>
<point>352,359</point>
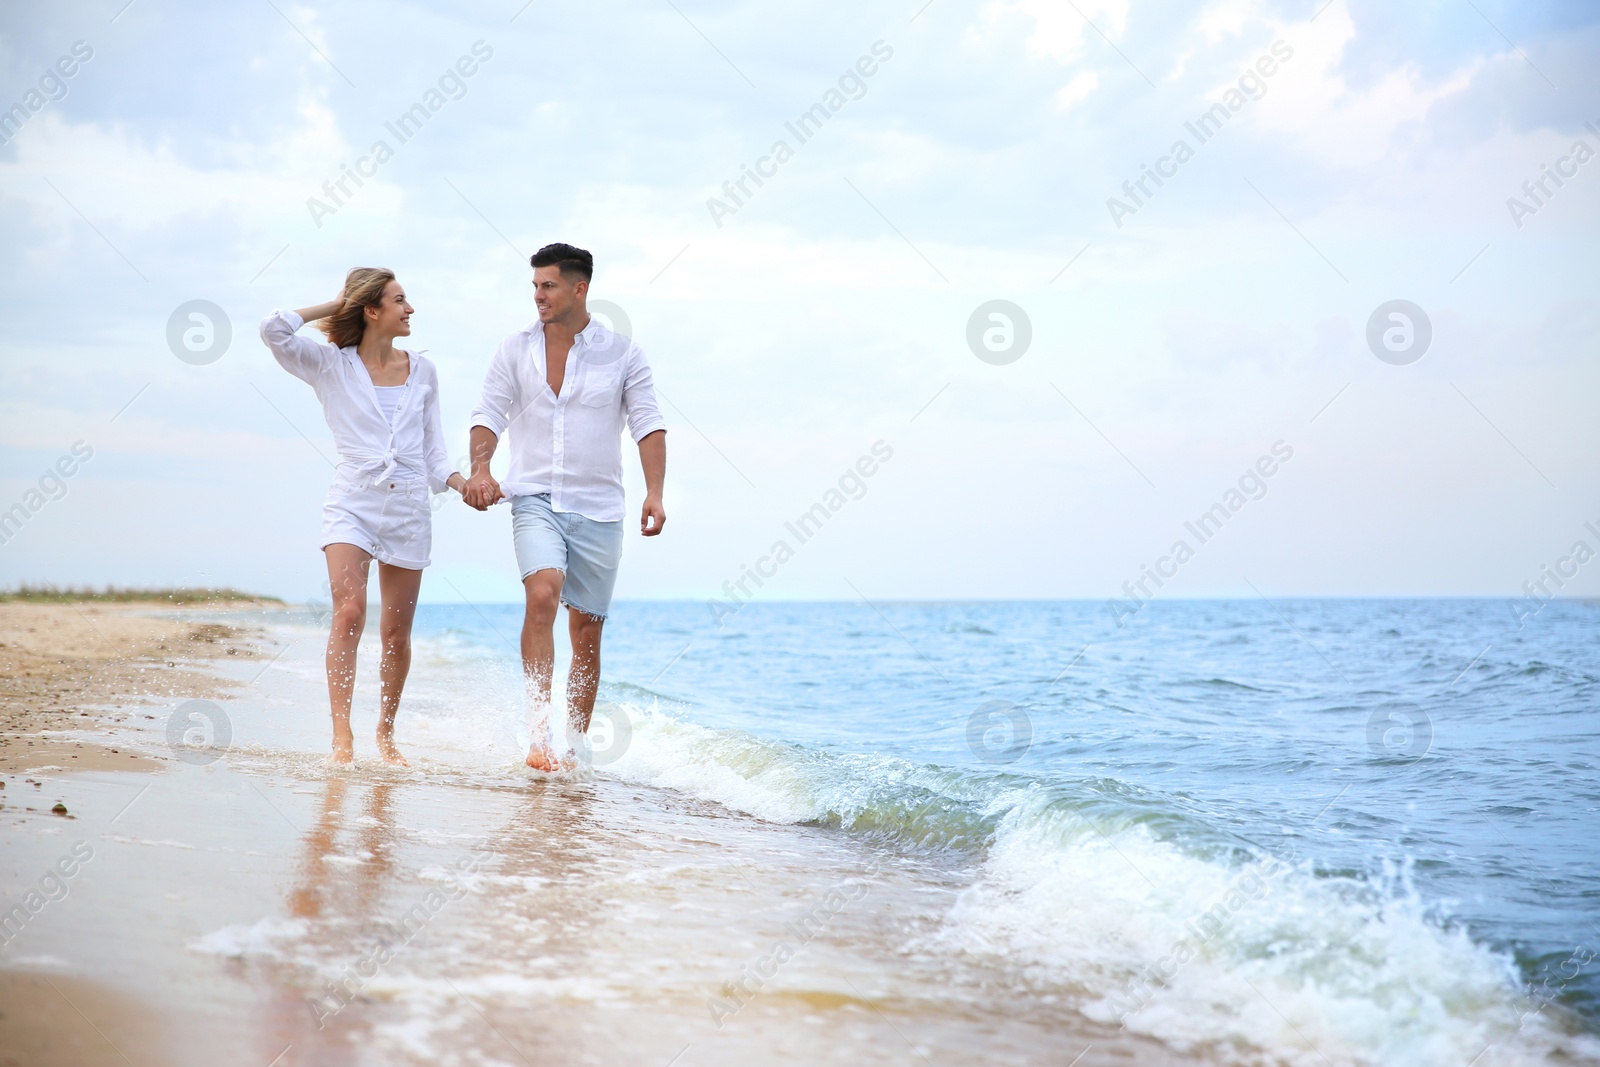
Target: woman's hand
<point>320,311</point>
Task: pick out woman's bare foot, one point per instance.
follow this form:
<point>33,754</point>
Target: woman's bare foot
<point>344,747</point>
<point>390,754</point>
<point>542,758</point>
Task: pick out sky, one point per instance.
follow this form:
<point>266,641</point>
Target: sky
<point>951,276</point>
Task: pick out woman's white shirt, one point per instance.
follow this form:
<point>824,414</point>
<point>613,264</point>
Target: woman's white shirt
<point>373,447</point>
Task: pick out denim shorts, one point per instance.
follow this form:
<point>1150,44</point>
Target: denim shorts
<point>585,551</point>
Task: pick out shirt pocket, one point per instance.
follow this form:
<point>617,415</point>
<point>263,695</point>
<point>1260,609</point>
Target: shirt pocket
<point>415,406</point>
<point>601,386</point>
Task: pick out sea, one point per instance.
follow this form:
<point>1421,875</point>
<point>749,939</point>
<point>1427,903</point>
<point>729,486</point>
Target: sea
<point>1320,831</point>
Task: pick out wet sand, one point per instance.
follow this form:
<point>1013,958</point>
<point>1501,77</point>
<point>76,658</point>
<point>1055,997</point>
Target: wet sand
<point>263,908</point>
<point>58,1020</point>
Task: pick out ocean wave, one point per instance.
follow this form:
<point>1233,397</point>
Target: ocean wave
<point>1267,961</point>
<point>1130,905</point>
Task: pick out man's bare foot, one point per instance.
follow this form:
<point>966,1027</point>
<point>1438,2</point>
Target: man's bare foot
<point>390,754</point>
<point>541,758</point>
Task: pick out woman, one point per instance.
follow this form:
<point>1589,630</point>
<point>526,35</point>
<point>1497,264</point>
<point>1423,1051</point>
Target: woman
<point>382,404</point>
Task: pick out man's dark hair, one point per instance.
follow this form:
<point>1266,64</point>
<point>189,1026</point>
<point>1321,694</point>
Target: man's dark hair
<point>573,261</point>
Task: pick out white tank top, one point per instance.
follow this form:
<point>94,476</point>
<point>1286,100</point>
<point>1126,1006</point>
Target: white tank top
<point>389,399</point>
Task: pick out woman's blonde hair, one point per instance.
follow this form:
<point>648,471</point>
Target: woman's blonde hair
<point>363,288</point>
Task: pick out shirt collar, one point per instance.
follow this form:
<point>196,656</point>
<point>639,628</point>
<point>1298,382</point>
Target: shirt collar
<point>592,334</point>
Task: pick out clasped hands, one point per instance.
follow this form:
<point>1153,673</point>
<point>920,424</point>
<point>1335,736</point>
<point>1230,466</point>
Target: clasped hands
<point>482,491</point>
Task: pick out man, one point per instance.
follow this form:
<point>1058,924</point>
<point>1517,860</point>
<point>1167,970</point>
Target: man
<point>565,385</point>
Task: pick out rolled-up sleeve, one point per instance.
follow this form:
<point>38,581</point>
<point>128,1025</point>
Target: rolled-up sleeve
<point>639,397</point>
<point>300,356</point>
<point>434,451</point>
<point>499,393</point>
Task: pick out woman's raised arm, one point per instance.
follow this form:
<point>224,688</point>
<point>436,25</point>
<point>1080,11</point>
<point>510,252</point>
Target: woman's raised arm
<point>302,357</point>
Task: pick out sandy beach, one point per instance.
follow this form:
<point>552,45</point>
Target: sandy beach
<point>83,668</point>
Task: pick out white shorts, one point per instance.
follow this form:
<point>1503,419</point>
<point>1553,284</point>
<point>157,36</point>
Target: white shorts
<point>393,523</point>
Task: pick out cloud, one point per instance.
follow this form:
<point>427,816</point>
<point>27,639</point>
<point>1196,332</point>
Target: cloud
<point>1060,30</point>
<point>1079,88</point>
<point>1315,108</point>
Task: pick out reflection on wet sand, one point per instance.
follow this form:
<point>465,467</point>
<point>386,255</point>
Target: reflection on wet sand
<point>321,863</point>
<point>340,883</point>
<point>305,900</point>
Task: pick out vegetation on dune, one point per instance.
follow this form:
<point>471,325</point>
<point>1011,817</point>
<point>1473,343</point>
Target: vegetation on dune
<point>51,594</point>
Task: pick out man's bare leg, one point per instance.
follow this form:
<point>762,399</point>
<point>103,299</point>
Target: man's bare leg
<point>399,588</point>
<point>584,678</point>
<point>542,591</point>
<point>347,584</point>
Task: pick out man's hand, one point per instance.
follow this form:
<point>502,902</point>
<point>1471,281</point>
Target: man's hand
<point>653,517</point>
<point>653,461</point>
<point>482,490</point>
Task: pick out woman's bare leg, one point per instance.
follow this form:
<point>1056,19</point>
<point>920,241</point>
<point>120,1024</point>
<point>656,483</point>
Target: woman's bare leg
<point>399,588</point>
<point>347,584</point>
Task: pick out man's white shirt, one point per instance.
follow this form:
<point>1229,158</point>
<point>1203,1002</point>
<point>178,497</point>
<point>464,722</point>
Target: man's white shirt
<point>569,446</point>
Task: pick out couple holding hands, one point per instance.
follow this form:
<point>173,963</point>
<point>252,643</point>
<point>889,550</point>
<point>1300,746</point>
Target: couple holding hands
<point>564,387</point>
